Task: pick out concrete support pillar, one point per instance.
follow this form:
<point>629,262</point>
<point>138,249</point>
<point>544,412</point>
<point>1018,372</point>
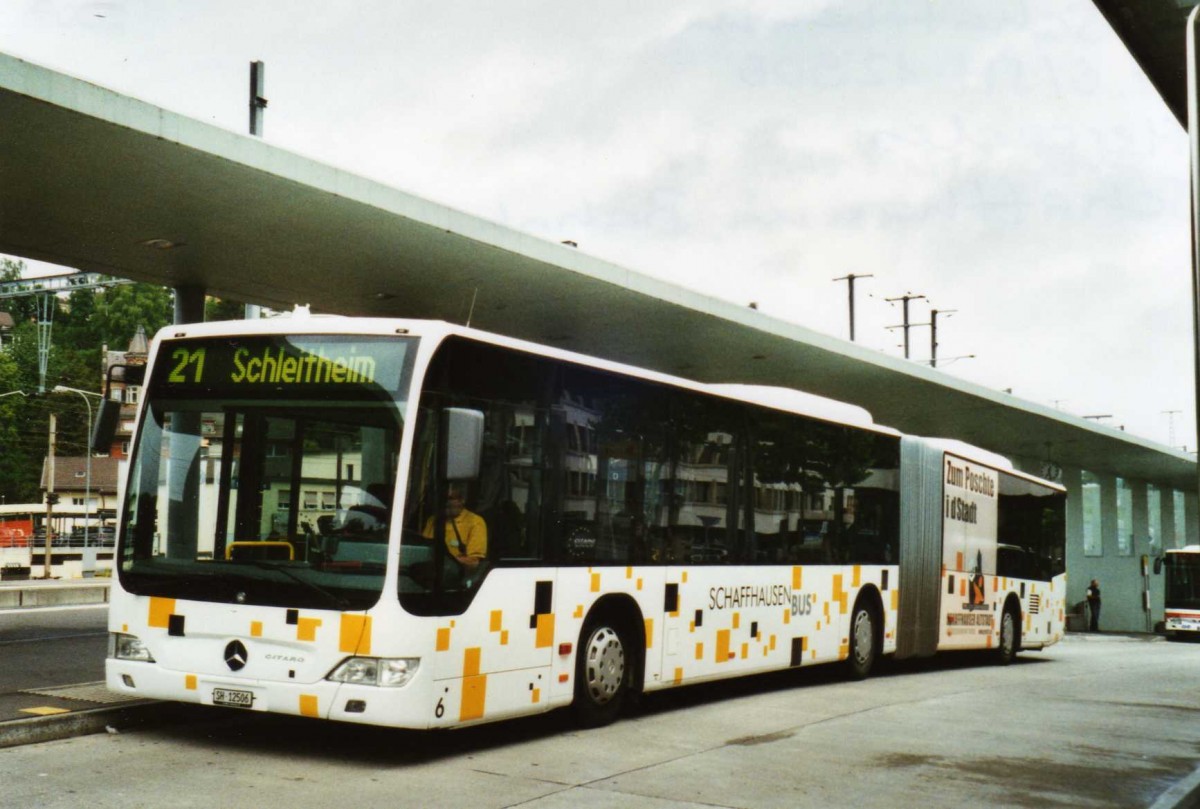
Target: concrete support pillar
<point>1108,515</point>
<point>185,516</point>
<point>1191,532</point>
<point>1166,511</point>
<point>1143,548</point>
<point>189,304</point>
<point>1072,478</point>
<point>1141,518</point>
<point>1030,466</point>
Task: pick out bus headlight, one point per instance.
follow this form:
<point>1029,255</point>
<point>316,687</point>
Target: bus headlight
<point>388,672</point>
<point>128,647</point>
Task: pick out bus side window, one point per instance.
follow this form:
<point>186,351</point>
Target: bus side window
<point>610,438</point>
<point>706,511</point>
<point>618,497</point>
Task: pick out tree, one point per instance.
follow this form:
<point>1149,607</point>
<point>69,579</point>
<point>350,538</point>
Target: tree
<point>69,363</point>
<point>22,348</point>
<point>83,323</point>
<point>123,308</point>
<point>80,323</point>
<point>23,308</point>
<point>221,309</point>
<point>16,483</point>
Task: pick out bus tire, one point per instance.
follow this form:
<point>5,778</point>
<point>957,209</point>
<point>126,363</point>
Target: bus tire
<point>864,641</point>
<point>1010,641</point>
<point>603,670</point>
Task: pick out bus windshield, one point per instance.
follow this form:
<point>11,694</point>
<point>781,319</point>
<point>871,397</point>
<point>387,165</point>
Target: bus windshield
<point>1183,581</point>
<point>264,471</point>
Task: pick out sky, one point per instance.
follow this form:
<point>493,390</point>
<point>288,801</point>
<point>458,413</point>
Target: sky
<point>1008,161</point>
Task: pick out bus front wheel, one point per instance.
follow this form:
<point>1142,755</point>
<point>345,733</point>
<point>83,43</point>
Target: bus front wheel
<point>603,671</point>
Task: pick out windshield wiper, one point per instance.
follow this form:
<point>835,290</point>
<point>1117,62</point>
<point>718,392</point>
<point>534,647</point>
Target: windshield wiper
<point>333,598</point>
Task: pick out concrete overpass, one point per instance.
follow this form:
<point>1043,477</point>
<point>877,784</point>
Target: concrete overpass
<point>97,181</point>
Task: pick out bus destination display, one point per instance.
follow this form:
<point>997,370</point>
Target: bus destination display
<point>278,365</point>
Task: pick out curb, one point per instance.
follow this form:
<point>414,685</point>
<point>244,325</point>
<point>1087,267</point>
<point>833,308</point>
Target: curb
<point>49,596</point>
<point>1184,795</point>
<point>38,729</point>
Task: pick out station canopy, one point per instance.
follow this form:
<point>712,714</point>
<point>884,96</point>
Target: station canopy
<point>1155,32</point>
<point>97,181</point>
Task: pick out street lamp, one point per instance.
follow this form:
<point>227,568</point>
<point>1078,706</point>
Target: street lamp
<point>87,494</point>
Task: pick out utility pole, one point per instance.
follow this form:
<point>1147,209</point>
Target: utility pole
<point>46,304</point>
<point>850,278</point>
<point>51,497</point>
<point>1171,414</point>
<point>933,343</point>
<point>258,104</point>
<point>908,296</point>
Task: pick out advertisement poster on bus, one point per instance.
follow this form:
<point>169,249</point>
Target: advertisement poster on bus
<point>970,498</point>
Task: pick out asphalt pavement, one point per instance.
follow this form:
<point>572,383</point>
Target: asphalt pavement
<point>59,708</point>
<point>63,701</point>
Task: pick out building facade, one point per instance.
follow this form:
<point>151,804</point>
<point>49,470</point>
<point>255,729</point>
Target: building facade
<point>1116,528</point>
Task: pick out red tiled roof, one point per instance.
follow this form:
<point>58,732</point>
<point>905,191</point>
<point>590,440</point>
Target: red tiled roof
<point>70,474</point>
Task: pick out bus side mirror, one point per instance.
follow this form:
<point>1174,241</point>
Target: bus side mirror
<point>109,416</point>
<point>1158,563</point>
<point>105,427</point>
<point>463,429</point>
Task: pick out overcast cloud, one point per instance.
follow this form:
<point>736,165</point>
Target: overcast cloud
<point>1007,160</point>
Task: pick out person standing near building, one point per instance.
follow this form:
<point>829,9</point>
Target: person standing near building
<point>1093,600</point>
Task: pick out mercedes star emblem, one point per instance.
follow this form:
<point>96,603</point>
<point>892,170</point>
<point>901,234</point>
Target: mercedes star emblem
<point>235,655</point>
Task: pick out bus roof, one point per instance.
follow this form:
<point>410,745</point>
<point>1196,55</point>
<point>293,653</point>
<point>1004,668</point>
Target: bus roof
<point>300,321</point>
<point>797,401</point>
<point>984,457</point>
<point>972,453</point>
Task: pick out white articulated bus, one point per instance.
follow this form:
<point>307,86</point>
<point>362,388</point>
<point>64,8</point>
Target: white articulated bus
<point>416,524</point>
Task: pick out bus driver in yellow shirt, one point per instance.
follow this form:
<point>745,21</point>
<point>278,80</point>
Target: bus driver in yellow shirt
<point>466,531</point>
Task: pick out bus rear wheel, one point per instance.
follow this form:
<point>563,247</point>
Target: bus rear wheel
<point>1007,650</point>
<point>603,670</point>
<point>863,646</point>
